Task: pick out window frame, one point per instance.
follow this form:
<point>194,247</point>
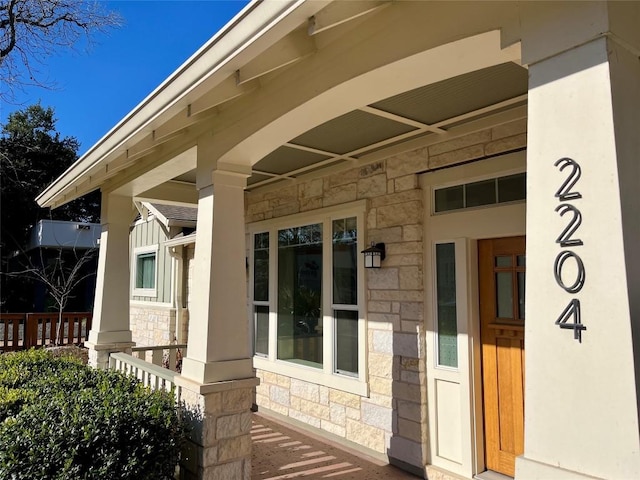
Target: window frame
<point>434,188</point>
<point>327,375</point>
<point>144,292</point>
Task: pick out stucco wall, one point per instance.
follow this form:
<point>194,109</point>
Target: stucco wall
<point>393,418</point>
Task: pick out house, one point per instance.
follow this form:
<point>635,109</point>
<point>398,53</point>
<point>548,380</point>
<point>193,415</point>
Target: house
<point>161,251</point>
<point>490,146</point>
<point>56,247</point>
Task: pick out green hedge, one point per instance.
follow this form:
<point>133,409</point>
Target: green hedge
<point>62,420</point>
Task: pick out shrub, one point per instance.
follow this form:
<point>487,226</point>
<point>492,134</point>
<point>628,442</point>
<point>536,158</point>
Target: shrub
<point>61,420</point>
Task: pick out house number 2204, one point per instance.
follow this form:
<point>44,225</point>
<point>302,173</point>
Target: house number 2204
<point>570,317</point>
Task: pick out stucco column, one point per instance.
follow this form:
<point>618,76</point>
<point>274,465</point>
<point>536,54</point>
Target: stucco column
<point>110,331</point>
<point>583,226</point>
<point>217,375</point>
<point>218,326</point>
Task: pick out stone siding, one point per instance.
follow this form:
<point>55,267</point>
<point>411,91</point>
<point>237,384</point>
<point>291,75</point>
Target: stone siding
<point>152,325</point>
<point>393,418</point>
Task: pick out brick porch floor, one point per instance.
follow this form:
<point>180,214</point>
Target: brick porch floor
<point>282,452</point>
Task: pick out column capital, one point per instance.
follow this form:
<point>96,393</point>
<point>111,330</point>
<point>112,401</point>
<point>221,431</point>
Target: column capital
<point>551,28</point>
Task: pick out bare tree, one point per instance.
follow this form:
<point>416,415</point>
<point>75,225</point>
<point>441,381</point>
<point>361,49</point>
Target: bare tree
<point>32,30</point>
<point>60,275</point>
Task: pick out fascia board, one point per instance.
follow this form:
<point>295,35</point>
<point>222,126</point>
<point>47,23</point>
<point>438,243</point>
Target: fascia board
<point>249,33</point>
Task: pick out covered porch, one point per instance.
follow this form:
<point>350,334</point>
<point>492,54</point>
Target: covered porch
<point>300,114</point>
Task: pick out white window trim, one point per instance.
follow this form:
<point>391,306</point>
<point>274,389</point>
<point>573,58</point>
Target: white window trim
<point>326,375</point>
<point>144,292</point>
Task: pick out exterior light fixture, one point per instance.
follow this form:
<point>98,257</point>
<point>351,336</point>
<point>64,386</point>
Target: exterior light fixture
<point>374,255</point>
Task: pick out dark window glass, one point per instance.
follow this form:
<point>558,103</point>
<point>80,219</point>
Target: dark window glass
<point>146,270</point>
<point>521,289</point>
<point>512,188</point>
<point>300,295</point>
<point>451,198</point>
<point>446,300</point>
<point>346,341</point>
<point>261,267</point>
<point>261,314</point>
<point>480,193</point>
<point>504,294</point>
<point>503,261</point>
<point>345,261</point>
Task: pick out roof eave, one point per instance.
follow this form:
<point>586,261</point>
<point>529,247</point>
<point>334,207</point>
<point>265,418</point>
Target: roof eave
<point>229,44</point>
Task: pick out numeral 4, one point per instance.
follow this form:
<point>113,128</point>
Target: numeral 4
<point>572,312</point>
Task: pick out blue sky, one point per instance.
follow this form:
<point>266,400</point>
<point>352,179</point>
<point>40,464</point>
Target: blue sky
<point>95,89</point>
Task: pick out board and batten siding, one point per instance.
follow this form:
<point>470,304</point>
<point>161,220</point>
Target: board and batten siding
<point>145,234</point>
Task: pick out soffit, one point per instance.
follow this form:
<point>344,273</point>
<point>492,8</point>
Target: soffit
<point>425,112</point>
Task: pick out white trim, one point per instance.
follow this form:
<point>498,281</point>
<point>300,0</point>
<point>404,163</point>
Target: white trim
<point>145,304</point>
<point>144,292</point>
<point>142,221</point>
<point>325,375</point>
<point>255,28</point>
<point>464,227</point>
<point>181,241</point>
<point>467,181</point>
<point>303,218</point>
<point>313,375</point>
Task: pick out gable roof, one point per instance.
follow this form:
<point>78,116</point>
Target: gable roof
<point>173,215</point>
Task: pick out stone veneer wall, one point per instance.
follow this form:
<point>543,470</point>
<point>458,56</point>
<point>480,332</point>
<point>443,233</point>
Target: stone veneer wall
<point>152,325</point>
<point>393,419</point>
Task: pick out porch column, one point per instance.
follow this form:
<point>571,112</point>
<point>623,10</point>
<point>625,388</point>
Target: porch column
<point>110,331</point>
<point>583,227</point>
<point>217,374</point>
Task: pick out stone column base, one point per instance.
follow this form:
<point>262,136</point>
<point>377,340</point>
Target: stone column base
<point>219,417</point>
<point>99,353</point>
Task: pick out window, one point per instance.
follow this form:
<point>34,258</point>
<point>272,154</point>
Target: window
<point>261,293</point>
<point>486,192</point>
<point>306,291</point>
<point>145,271</point>
<point>300,318</point>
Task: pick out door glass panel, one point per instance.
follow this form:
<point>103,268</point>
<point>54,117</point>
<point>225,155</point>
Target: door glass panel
<point>522,261</point>
<point>521,280</point>
<point>503,261</point>
<point>300,295</point>
<point>446,300</point>
<point>504,294</point>
<point>346,341</point>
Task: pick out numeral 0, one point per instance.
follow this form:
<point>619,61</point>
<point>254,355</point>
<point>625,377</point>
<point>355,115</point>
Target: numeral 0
<point>564,192</point>
<point>557,270</point>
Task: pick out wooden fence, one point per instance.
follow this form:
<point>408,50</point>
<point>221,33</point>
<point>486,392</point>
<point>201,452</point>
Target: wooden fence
<point>20,331</point>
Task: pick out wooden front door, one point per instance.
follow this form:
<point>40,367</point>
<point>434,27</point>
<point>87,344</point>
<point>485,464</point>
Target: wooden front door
<point>501,271</point>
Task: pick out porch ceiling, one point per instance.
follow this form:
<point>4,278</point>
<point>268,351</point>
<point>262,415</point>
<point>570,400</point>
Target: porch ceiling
<point>431,110</point>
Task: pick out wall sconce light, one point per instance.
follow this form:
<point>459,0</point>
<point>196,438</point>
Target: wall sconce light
<point>374,255</point>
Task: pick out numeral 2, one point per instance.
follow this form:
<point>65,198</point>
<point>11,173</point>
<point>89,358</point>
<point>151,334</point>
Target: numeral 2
<point>564,239</point>
<point>564,192</point>
<point>572,312</point>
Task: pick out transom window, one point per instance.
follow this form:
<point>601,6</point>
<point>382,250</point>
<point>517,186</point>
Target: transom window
<point>510,188</point>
